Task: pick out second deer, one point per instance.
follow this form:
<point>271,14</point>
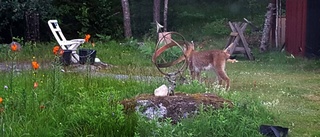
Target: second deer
<point>214,60</point>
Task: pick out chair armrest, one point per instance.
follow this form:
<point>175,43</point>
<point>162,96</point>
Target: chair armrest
<point>77,40</point>
<point>70,42</point>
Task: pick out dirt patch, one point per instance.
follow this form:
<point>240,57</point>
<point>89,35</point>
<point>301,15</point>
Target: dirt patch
<point>86,67</point>
<point>312,97</point>
<point>181,105</point>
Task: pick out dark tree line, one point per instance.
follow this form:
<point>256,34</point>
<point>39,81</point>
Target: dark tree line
<point>109,17</point>
<point>76,18</point>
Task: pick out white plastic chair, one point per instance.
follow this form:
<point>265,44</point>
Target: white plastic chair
<point>63,42</point>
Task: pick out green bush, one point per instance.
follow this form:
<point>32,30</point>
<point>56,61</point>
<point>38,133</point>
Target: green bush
<point>98,114</point>
<point>218,28</point>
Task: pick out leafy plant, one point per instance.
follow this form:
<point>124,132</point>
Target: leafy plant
<point>83,18</point>
<point>217,28</point>
<point>147,48</point>
<point>103,114</point>
<point>103,38</point>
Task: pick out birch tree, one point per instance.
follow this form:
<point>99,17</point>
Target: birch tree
<point>165,15</point>
<point>267,28</point>
<point>126,18</point>
<point>156,11</point>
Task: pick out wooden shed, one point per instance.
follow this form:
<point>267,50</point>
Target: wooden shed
<point>303,28</point>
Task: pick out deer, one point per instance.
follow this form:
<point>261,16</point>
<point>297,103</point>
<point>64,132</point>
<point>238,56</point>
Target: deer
<point>214,60</point>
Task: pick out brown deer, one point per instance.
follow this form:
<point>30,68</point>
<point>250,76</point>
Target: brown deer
<point>210,60</point>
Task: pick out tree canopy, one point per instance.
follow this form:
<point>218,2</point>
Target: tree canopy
<point>104,17</point>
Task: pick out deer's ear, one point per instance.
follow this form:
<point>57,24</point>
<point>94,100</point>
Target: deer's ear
<point>191,45</point>
<point>228,49</point>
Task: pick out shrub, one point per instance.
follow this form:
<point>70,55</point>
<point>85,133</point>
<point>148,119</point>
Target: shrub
<point>217,28</point>
<point>99,114</point>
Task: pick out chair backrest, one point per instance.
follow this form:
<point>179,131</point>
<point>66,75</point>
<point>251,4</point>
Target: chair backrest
<point>56,31</point>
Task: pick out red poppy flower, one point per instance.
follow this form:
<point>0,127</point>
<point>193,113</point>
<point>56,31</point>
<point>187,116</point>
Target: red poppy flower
<point>14,47</point>
<point>86,39</point>
<point>35,65</point>
<point>56,49</point>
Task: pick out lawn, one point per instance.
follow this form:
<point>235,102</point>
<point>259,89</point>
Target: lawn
<point>288,87</point>
<point>274,89</point>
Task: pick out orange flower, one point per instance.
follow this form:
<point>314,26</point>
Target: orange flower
<point>86,39</point>
<point>14,47</point>
<point>1,100</point>
<point>56,49</point>
<point>35,84</point>
<point>35,65</point>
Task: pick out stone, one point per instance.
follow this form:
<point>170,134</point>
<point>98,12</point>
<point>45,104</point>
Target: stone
<point>161,91</point>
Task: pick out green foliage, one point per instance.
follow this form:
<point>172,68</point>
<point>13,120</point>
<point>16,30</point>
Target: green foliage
<point>83,18</point>
<point>105,17</point>
<point>103,115</point>
<point>217,28</point>
<point>113,51</point>
<point>130,42</point>
<point>3,51</point>
<point>12,14</point>
<point>199,20</point>
<point>254,8</point>
<point>147,48</point>
<point>11,11</point>
<point>240,120</point>
<point>75,18</point>
<point>264,91</point>
<point>103,38</point>
<point>141,17</point>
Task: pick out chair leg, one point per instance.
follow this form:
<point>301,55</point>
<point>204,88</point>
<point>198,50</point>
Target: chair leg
<point>75,58</point>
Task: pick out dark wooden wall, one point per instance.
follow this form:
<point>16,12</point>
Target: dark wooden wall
<point>313,29</point>
<point>296,18</point>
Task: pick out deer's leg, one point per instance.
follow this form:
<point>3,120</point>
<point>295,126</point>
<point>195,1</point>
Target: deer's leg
<point>192,74</point>
<point>222,74</point>
<point>198,76</point>
<point>218,78</point>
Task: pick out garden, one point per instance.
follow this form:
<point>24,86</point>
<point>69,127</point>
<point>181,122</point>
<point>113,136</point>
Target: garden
<point>41,100</point>
<point>42,96</point>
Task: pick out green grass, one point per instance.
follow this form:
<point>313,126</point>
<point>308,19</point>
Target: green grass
<point>286,86</point>
<point>274,89</point>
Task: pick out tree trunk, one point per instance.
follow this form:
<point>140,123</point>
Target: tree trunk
<point>126,18</point>
<point>267,28</point>
<point>277,24</point>
<point>156,11</point>
<point>32,32</point>
<point>165,15</point>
